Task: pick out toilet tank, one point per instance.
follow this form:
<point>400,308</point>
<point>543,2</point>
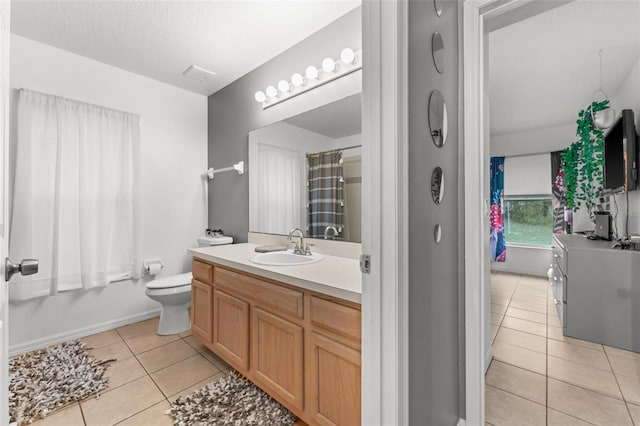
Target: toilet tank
<point>214,240</point>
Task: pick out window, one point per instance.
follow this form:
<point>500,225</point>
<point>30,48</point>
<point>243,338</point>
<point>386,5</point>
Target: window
<point>528,219</point>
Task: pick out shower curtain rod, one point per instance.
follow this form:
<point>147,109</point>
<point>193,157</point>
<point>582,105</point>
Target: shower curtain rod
<point>334,150</point>
<point>349,147</point>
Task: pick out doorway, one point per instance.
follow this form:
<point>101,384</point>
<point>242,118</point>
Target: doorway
<point>481,18</point>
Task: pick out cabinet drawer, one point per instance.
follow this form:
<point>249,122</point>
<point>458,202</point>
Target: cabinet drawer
<point>202,271</point>
<point>560,258</point>
<point>281,299</point>
<point>338,318</point>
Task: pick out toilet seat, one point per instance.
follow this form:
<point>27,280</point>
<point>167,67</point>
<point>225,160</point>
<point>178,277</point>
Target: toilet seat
<point>173,281</point>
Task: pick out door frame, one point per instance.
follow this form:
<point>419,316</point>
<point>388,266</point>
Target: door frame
<point>385,330</point>
<point>480,17</point>
<point>5,36</point>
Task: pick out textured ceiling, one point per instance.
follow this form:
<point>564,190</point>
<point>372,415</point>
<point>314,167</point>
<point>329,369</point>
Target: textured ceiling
<point>161,39</point>
<point>335,120</point>
<point>543,70</point>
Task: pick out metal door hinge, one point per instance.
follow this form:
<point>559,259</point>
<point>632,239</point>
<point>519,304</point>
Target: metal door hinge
<point>365,263</point>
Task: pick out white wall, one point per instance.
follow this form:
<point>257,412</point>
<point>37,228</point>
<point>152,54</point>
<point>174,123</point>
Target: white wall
<point>347,141</point>
<point>628,97</point>
<point>533,141</point>
<point>525,260</point>
<point>174,203</point>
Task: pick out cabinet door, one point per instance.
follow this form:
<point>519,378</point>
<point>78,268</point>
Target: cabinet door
<point>333,382</point>
<point>231,329</point>
<point>277,349</point>
<point>201,312</point>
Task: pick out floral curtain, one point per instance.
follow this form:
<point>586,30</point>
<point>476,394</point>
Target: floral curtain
<point>561,214</point>
<point>496,235</point>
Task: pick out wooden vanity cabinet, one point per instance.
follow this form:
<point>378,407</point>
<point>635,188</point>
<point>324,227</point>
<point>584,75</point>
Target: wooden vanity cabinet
<point>300,347</point>
<point>277,354</point>
<point>202,301</point>
<point>231,329</point>
<point>333,374</point>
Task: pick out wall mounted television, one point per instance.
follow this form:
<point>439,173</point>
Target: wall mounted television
<point>620,155</point>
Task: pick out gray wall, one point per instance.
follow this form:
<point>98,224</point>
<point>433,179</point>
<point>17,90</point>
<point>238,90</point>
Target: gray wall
<point>434,381</point>
<point>233,113</point>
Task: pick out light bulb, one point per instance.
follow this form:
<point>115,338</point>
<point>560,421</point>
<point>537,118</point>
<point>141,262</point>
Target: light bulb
<point>284,86</point>
<point>348,56</point>
<point>328,64</point>
<point>260,96</point>
<point>312,72</point>
<point>272,92</point>
<point>297,79</point>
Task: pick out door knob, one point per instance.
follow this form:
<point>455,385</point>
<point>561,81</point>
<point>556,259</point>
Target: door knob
<point>26,267</point>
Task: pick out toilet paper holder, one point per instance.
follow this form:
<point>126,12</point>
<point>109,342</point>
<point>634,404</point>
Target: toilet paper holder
<point>152,266</point>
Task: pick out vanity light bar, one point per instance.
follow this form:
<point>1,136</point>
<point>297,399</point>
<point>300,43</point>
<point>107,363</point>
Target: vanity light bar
<point>331,69</point>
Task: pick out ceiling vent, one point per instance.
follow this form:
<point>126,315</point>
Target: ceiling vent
<point>198,73</point>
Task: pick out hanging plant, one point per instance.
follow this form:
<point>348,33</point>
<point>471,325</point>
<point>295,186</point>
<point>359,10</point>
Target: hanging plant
<point>583,162</point>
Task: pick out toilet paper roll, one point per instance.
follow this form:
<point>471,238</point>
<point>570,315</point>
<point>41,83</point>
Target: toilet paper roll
<point>154,268</point>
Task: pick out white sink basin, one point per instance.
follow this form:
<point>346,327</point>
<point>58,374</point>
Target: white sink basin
<point>285,258</point>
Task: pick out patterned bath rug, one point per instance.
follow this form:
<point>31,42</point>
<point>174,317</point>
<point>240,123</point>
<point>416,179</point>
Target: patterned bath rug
<point>231,400</point>
<point>45,380</point>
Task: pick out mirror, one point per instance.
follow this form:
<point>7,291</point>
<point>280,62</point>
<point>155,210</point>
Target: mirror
<point>437,4</point>
<point>305,172</point>
<point>437,234</point>
<point>437,51</point>
<point>438,118</point>
<point>437,185</point>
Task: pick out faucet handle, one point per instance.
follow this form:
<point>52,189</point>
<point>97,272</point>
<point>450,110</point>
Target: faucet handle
<point>307,248</point>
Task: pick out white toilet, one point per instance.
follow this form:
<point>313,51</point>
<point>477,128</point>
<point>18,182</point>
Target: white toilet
<point>174,293</point>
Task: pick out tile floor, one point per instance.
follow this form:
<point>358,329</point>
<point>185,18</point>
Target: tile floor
<point>150,371</point>
<point>540,377</point>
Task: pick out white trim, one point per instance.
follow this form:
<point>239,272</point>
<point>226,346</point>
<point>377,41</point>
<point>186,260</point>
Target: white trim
<point>80,332</point>
<point>487,359</point>
<point>474,182</point>
<point>530,246</point>
<point>461,422</point>
<point>499,268</point>
<point>384,222</point>
<point>476,174</point>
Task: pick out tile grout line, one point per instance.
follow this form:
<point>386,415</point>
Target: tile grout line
<point>82,414</point>
<point>615,376</point>
<point>166,398</point>
<point>546,358</point>
<point>516,395</point>
<point>146,372</point>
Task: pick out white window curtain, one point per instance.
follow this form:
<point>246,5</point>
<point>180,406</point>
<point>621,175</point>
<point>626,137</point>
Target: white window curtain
<point>74,204</point>
<point>279,206</point>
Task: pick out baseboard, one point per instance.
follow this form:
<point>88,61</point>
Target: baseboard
<point>80,332</point>
<point>487,359</point>
<point>535,273</point>
<point>461,422</point>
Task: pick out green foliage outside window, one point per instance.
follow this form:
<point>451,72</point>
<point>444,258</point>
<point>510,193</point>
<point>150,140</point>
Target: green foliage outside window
<point>528,220</point>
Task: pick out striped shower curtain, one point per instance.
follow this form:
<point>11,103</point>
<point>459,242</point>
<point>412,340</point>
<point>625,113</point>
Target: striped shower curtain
<point>326,193</point>
<point>496,237</point>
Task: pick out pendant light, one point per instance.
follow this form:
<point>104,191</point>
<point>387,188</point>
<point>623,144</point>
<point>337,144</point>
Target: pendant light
<point>602,119</point>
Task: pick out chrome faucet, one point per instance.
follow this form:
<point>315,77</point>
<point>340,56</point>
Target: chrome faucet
<point>329,228</point>
<point>300,248</point>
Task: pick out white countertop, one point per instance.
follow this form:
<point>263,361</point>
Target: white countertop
<point>334,276</point>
